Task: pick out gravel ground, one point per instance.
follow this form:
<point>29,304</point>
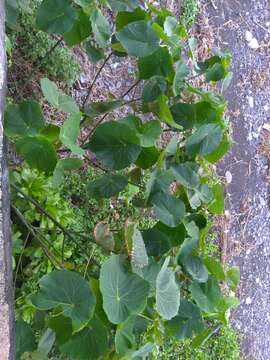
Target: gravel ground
<point>244,27</point>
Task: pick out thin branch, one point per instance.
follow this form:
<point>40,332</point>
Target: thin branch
<point>95,79</point>
<point>131,88</point>
<point>19,261</point>
<point>47,252</point>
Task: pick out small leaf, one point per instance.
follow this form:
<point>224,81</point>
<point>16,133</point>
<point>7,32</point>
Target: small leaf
<point>69,291</point>
<point>168,209</point>
<point>181,72</point>
<point>80,30</point>
<point>94,53</point>
<point>106,186</point>
<point>124,337</point>
<point>215,73</point>
<point>51,132</point>
<point>25,338</point>
<point>103,236</point>
<point>56,16</point>
<point>24,119</point>
<point>100,27</point>
<point>233,277</point>
<point>58,99</point>
<point>159,63</point>
<point>220,151</point>
<point>156,242</point>
<point>148,157</point>
<point>153,88</point>
<point>196,268</point>
<point>138,38</point>
<point>99,108</point>
<point>205,140</point>
<point>89,344</point>
<point>123,18</point>
<point>38,153</point>
<point>188,321</point>
<point>167,292</point>
<point>115,145</point>
<point>124,294</point>
<point>164,113</point>
<point>217,206</point>
<point>214,267</point>
<point>176,235</point>
<point>186,174</point>
<point>123,5</point>
<point>69,133</point>
<point>46,342</point>
<point>143,351</point>
<point>139,257</point>
<point>206,295</point>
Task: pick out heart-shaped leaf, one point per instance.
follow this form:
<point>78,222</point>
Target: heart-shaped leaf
<point>107,186</point>
<point>56,16</point>
<point>69,291</point>
<point>124,294</point>
<point>167,292</point>
<point>138,38</point>
<point>115,145</point>
<point>69,133</point>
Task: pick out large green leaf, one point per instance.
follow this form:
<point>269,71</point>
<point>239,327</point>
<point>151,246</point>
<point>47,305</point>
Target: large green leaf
<point>123,5</point>
<point>176,235</point>
<point>168,209</point>
<point>167,292</point>
<point>162,110</point>
<point>188,321</point>
<point>181,71</point>
<point>56,16</point>
<point>214,266</point>
<point>99,108</point>
<point>124,337</point>
<point>123,18</point>
<point>205,140</point>
<point>69,291</point>
<point>25,338</point>
<point>24,119</point>
<point>38,152</point>
<point>143,351</point>
<point>100,27</point>
<point>124,293</point>
<point>186,174</point>
<point>206,295</point>
<point>153,88</point>
<point>62,326</point>
<point>12,13</point>
<point>148,157</point>
<point>115,145</point>
<point>80,30</point>
<point>107,186</point>
<point>58,99</point>
<point>158,63</point>
<point>160,181</point>
<point>89,344</point>
<point>46,342</point>
<point>69,133</point>
<point>196,268</point>
<point>138,38</point>
<point>220,151</point>
<point>147,132</point>
<point>156,242</point>
<point>196,114</point>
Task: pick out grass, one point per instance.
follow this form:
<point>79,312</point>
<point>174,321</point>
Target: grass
<point>190,10</point>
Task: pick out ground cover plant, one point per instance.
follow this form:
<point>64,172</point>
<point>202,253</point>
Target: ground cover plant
<point>122,282</point>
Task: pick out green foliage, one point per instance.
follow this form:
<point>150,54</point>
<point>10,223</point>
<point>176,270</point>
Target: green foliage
<point>33,45</point>
<point>190,10</point>
<point>138,272</point>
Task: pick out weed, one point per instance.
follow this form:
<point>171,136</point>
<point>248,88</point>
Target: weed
<point>190,10</point>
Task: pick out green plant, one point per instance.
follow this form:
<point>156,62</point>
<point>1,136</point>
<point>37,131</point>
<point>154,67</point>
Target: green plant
<point>127,305</point>
<point>34,44</point>
<point>190,10</point>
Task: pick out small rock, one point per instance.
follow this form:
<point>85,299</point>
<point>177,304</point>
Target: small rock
<point>251,101</point>
<point>252,41</point>
<point>228,177</point>
<point>248,300</point>
<point>266,127</point>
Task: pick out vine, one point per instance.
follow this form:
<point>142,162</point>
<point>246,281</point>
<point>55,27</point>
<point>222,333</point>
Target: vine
<point>158,282</point>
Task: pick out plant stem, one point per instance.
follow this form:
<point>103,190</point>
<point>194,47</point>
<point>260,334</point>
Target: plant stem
<point>47,252</point>
<point>19,261</point>
<point>131,88</point>
<point>95,79</point>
